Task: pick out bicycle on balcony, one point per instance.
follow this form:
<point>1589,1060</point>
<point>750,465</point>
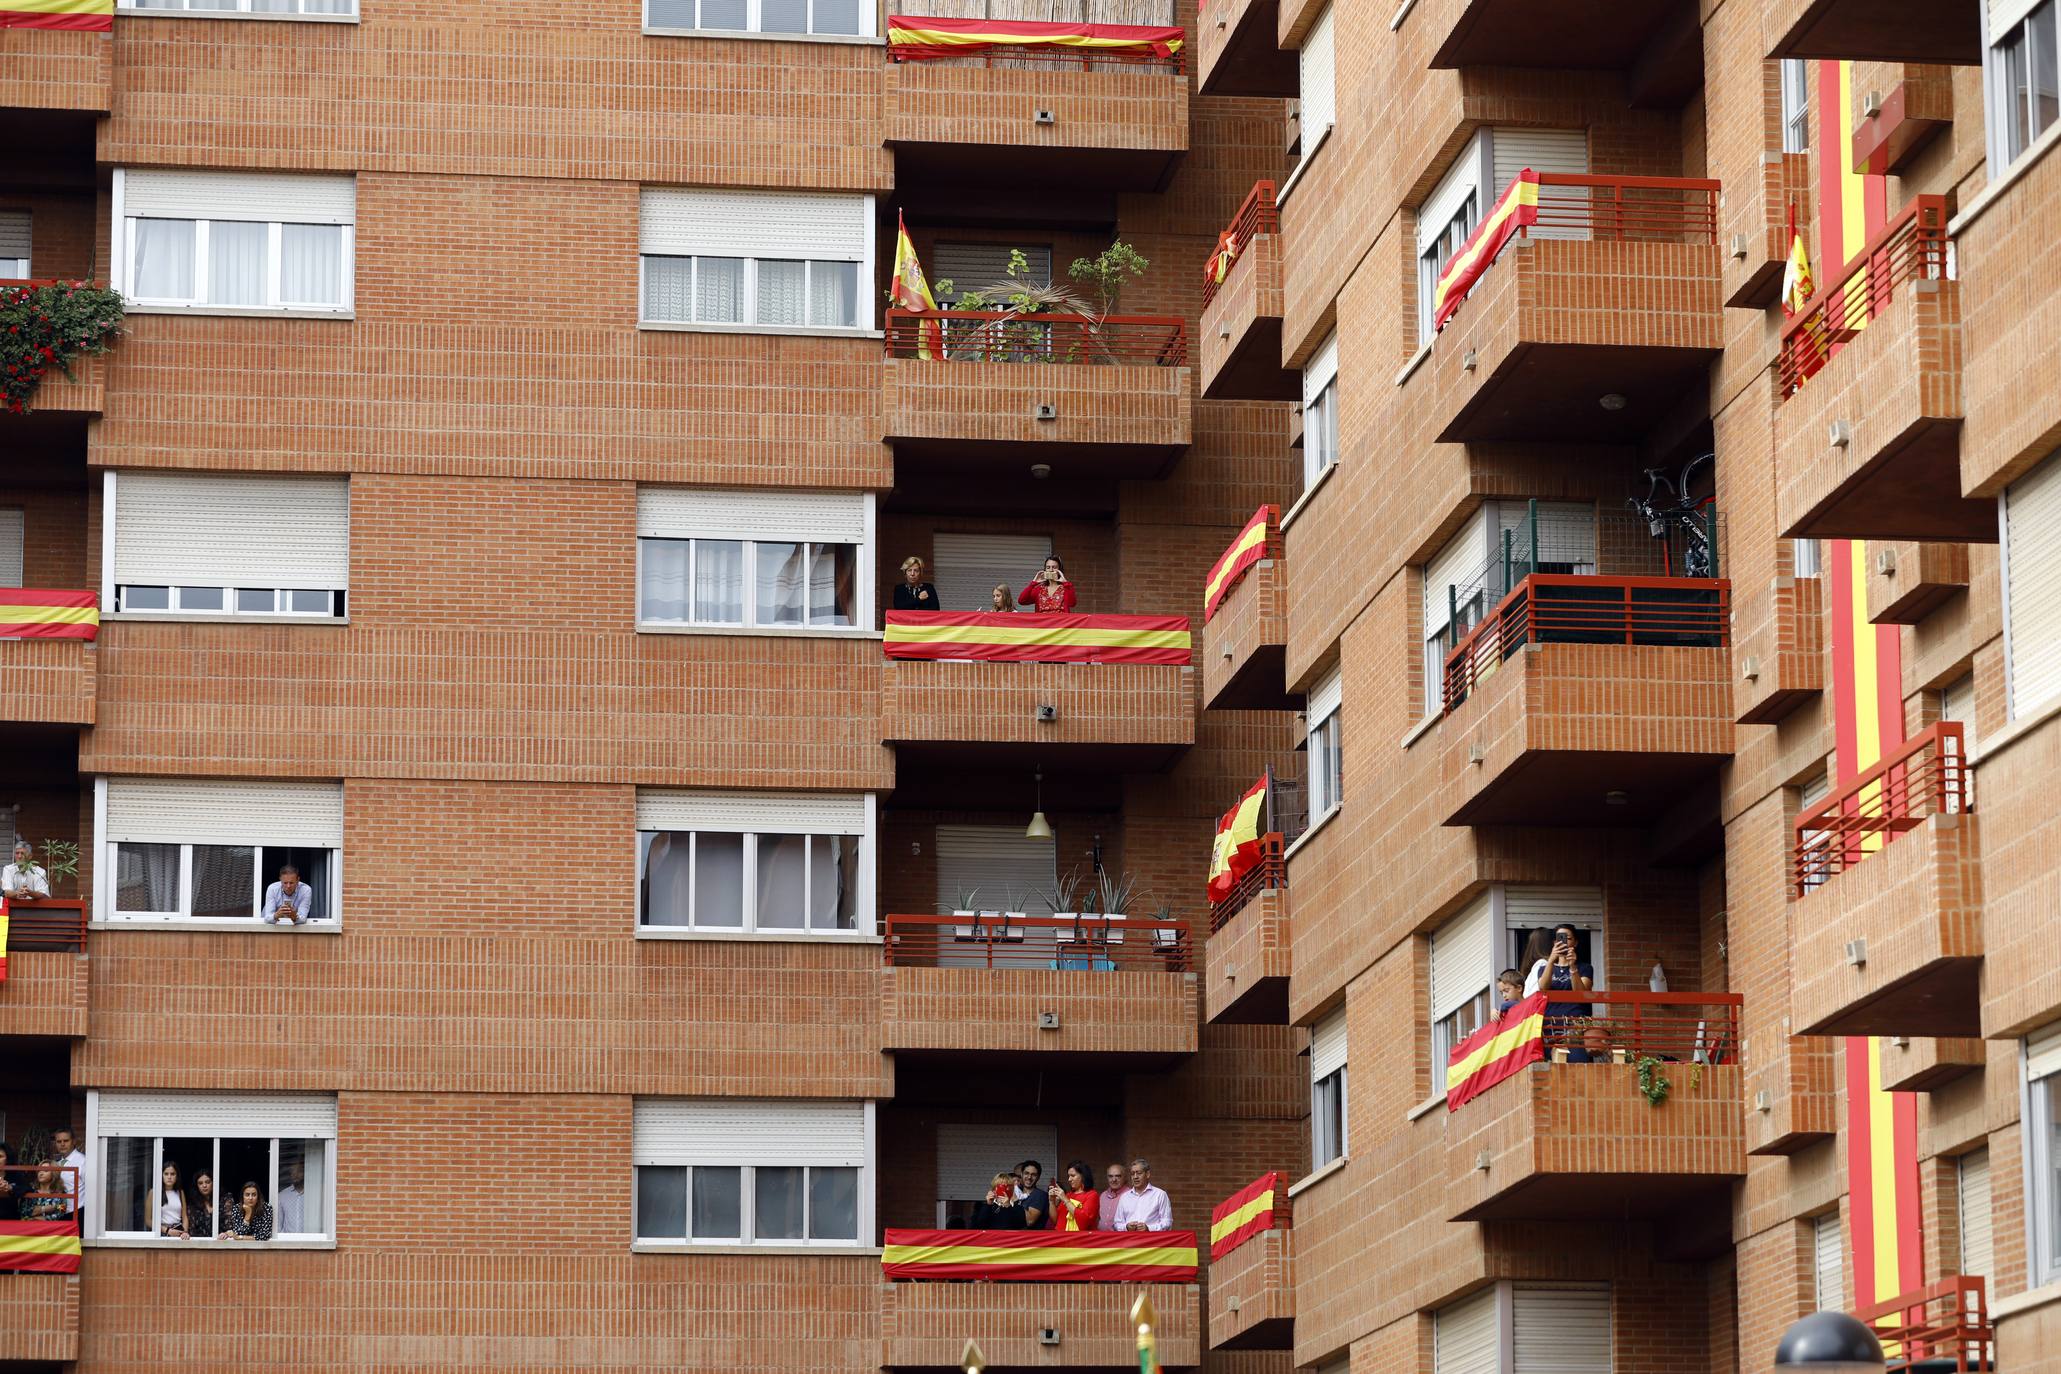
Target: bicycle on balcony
<point>1672,516</point>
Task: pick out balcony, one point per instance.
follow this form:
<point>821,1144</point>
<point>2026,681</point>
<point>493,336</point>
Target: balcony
<point>1587,700</point>
<point>1108,988</point>
<point>1782,658</point>
<point>1086,107</point>
<point>1252,1280</point>
<point>1104,398</point>
<point>1924,1063</point>
<point>56,69</point>
<point>1867,436</point>
<point>1886,882</point>
<point>45,990</point>
<point>1942,1328</point>
<point>1877,30</point>
<point>1753,279</point>
<point>39,1313</point>
<point>1245,622</point>
<point>1918,107</point>
<point>1241,308</point>
<point>1575,1141</point>
<point>1659,46</point>
<point>48,673</point>
<point>1908,581</point>
<point>1238,50</point>
<point>1246,965</point>
<point>1590,320</point>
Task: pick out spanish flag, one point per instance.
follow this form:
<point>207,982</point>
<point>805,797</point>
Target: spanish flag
<point>1247,549</point>
<point>1796,275</point>
<point>1496,1051</point>
<point>40,1247</point>
<point>1041,1256</point>
<point>3,939</point>
<point>1518,209</point>
<point>31,613</point>
<point>1243,1215</point>
<point>1042,638</point>
<point>1220,259</point>
<point>1238,842</point>
<point>911,292</point>
<point>57,14</point>
<point>926,36</point>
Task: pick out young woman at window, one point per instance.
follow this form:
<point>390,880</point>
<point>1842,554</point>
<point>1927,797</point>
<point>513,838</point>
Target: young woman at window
<point>1077,1206</point>
<point>173,1206</point>
<point>999,599</point>
<point>247,1219</point>
<point>1050,590</point>
<point>200,1217</point>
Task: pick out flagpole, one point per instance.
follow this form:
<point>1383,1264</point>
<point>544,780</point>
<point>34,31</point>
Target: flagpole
<point>1146,1319</point>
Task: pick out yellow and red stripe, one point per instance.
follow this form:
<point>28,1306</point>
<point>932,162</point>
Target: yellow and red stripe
<point>1518,208</point>
<point>40,1247</point>
<point>1237,846</point>
<point>1247,549</point>
<point>57,14</point>
<point>3,939</point>
<point>1041,638</point>
<point>922,36</point>
<point>1496,1051</point>
<point>1042,1256</point>
<point>35,613</point>
<point>1243,1215</point>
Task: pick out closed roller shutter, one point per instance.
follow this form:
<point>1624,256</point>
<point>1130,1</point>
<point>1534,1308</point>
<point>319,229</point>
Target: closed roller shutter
<point>832,517</point>
<point>1560,1328</point>
<point>742,1131</point>
<point>755,224</point>
<point>1319,87</point>
<point>2005,13</point>
<point>2032,571</point>
<point>763,813</point>
<point>1458,564</point>
<point>1327,1046</point>
<point>1567,534</point>
<point>1012,872</point>
<point>1957,704</point>
<point>196,811</point>
<point>1462,957</point>
<point>15,234</point>
<point>978,266</point>
<point>1462,179</point>
<point>1321,370</point>
<point>1828,1247</point>
<point>969,1156</point>
<point>238,1115</point>
<point>967,567</point>
<point>1465,1337</point>
<point>221,530</point>
<point>1326,696</point>
<point>11,539</point>
<point>1978,1254</point>
<point>1528,908</point>
<point>1544,150</point>
<point>240,195</point>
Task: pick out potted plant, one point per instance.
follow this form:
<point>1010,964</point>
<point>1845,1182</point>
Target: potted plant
<point>1066,904</point>
<point>1113,900</point>
<point>962,907</point>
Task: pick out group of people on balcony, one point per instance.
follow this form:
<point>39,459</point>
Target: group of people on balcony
<point>1020,1200</point>
<point>1551,964</point>
<point>1051,590</point>
<point>49,1195</point>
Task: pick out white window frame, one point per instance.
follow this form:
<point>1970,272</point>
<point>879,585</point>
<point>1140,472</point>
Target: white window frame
<point>96,1177</point>
<point>2039,1080</point>
<point>865,319</point>
<point>747,1200</point>
<point>20,268</point>
<point>105,859</point>
<point>861,612</point>
<point>1320,442</point>
<point>124,250</point>
<point>1328,1128</point>
<point>1457,203</point>
<point>232,601</point>
<point>239,9</point>
<point>1326,746</point>
<point>868,26</point>
<point>1795,84</point>
<point>1806,558</point>
<point>1506,1314</point>
<point>748,300</point>
<point>2009,22</point>
<point>864,899</point>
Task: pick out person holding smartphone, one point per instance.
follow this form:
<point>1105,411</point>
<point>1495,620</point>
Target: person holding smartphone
<point>1050,591</point>
<point>1001,1209</point>
<point>1557,968</point>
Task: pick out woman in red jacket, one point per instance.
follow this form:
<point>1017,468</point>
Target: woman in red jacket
<point>1049,590</point>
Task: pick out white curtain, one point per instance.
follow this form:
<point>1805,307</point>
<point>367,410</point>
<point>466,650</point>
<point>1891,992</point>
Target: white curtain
<point>783,869</point>
<point>236,262</point>
<point>719,290</point>
<point>147,877</point>
<point>833,881</point>
<point>782,292</point>
<point>831,573</point>
<point>718,879</point>
<point>665,861</point>
<point>719,581</point>
<point>311,266</point>
<point>164,259</point>
<point>669,289</point>
<point>780,583</point>
<point>665,579</point>
<point>834,294</point>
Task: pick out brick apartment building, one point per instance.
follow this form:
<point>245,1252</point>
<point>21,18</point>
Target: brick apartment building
<point>493,502</point>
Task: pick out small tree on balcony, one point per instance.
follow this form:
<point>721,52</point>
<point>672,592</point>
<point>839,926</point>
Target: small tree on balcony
<point>1108,271</point>
<point>48,326</point>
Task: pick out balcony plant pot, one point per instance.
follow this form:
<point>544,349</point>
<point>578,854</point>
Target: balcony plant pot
<point>963,932</point>
<point>1013,927</point>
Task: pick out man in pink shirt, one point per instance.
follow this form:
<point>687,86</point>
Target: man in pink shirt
<point>1113,1176</point>
<point>1143,1207</point>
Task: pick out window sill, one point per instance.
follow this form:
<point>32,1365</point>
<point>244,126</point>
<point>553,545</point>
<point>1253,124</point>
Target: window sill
<point>2016,172</point>
<point>805,331</point>
<point>1416,361</point>
<point>1302,165</point>
<point>648,627</point>
<point>848,39</point>
<point>1310,492</point>
<point>225,618</point>
<point>2031,1300</point>
<point>1421,729</point>
<point>1426,1107</point>
<point>229,1246</point>
<point>776,937</point>
<point>241,312</point>
<point>1402,13</point>
<point>1303,1185</point>
<point>671,1247</point>
<point>2013,732</point>
<point>1315,826</point>
<point>128,12</point>
<point>180,923</point>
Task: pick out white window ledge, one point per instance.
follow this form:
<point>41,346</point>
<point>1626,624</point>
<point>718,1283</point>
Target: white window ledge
<point>1401,14</point>
<point>1990,194</point>
<point>653,627</point>
<point>224,618</point>
<point>859,39</point>
<point>1426,1107</point>
<point>2013,732</point>
<point>331,927</point>
<point>797,937</point>
<point>1315,826</point>
<point>1310,491</point>
<point>127,13</point>
<point>1416,361</point>
<point>260,312</point>
<point>807,331</point>
<point>2031,1300</point>
<point>676,1247</point>
<point>1302,165</point>
<point>1305,1184</point>
<point>226,1246</point>
<point>1421,729</point>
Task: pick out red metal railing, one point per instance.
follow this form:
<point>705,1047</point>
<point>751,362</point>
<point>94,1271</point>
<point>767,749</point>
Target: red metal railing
<point>1564,608</point>
<point>1047,57</point>
<point>45,923</point>
<point>1927,775</point>
<point>1911,247</point>
<point>1000,940</point>
<point>1644,209</point>
<point>1942,1326</point>
<point>1678,1026</point>
<point>1270,871</point>
<point>1258,215</point>
<point>998,336</point>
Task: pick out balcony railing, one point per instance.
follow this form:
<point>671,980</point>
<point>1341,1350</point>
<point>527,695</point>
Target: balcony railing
<point>45,1237</point>
<point>1045,637</point>
<point>49,613</point>
<point>1912,247</point>
<point>1106,33</point>
<point>1271,871</point>
<point>1941,1327</point>
<point>49,923</point>
<point>1093,944</point>
<point>1001,336</point>
<point>1678,1027</point>
<point>1554,608</point>
<point>1256,216</point>
<point>1926,776</point>
<point>1040,1256</point>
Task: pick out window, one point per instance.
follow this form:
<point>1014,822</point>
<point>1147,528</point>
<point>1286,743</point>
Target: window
<point>770,17</point>
<point>2032,588</point>
<point>1524,1328</point>
<point>1972,1211</point>
<point>322,9</point>
<point>1462,976</point>
<point>1807,557</point>
<point>1796,105</point>
<point>966,1160</point>
<point>1319,82</point>
<point>1327,1089</point>
<point>2022,70</point>
<point>2043,1150</point>
<point>731,1171</point>
<point>236,240</point>
<point>741,863</point>
<point>1320,412</point>
<point>1437,249</point>
<point>767,259</point>
<point>1813,845</point>
<point>1326,763</point>
<point>15,226</point>
<point>759,560</point>
<point>1828,1263</point>
<point>181,849</point>
<point>1470,189</point>
<point>221,544</point>
<point>1465,1336</point>
<point>966,568</point>
<point>213,1145</point>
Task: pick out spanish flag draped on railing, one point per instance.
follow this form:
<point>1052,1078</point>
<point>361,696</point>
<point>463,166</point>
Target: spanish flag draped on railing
<point>1496,1051</point>
<point>1041,638</point>
<point>916,37</point>
<point>39,1247</point>
<point>1041,1256</point>
<point>1237,848</point>
<point>1518,209</point>
<point>1243,1215</point>
<point>911,291</point>
<point>1247,549</point>
<point>57,14</point>
<point>34,613</point>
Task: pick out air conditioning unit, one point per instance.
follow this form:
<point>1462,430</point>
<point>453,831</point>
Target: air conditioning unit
<point>1885,562</point>
<point>1839,434</point>
<point>1857,952</point>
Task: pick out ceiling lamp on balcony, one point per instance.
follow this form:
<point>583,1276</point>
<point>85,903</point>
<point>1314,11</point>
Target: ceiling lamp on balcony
<point>1039,828</point>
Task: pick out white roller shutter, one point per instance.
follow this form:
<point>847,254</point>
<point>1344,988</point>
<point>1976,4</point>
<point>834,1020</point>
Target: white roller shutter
<point>1319,87</point>
<point>1957,704</point>
<point>1560,1328</point>
<point>1543,150</point>
<point>1815,790</point>
<point>1325,696</point>
<point>2043,1053</point>
<point>1327,1046</point>
<point>2003,14</point>
<point>1978,1254</point>
<point>1458,564</point>
<point>1828,1263</point>
<point>237,1115</point>
<point>1462,958</point>
<point>1465,1337</point>
<point>679,221</point>
<point>969,1156</point>
<point>222,530</point>
<point>834,517</point>
<point>1529,908</point>
<point>1011,871</point>
<point>1462,179</point>
<point>291,198</point>
<point>668,1130</point>
<point>967,567</point>
<point>1567,532</point>
<point>762,813</point>
<point>1321,370</point>
<point>978,266</point>
<point>206,811</point>
<point>2032,575</point>
<point>12,537</point>
<point>14,234</point>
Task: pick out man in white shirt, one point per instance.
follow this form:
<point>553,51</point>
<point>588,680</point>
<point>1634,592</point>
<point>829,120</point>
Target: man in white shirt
<point>288,901</point>
<point>24,878</point>
<point>69,1154</point>
<point>1143,1207</point>
<point>293,1197</point>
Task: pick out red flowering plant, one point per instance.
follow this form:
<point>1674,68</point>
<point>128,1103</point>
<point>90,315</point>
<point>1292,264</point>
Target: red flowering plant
<point>48,324</point>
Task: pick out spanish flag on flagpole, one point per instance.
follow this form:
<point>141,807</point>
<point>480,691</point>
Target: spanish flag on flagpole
<point>1796,273</point>
<point>912,292</point>
<point>1238,841</point>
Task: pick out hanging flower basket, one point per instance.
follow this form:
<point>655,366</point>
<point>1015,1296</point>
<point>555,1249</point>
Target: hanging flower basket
<point>49,324</point>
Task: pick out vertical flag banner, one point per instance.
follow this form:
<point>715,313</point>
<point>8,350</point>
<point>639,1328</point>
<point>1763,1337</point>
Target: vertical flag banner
<point>912,292</point>
<point>1243,1215</point>
<point>1238,842</point>
<point>1247,549</point>
<point>1518,209</point>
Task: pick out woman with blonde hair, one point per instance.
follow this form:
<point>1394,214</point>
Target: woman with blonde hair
<point>1000,599</point>
<point>1001,1209</point>
<point>913,593</point>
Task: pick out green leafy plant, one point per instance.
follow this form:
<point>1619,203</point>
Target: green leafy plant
<point>1067,891</point>
<point>60,860</point>
<point>1115,892</point>
<point>1106,273</point>
<point>962,900</point>
<point>1652,1081</point>
<point>48,326</point>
